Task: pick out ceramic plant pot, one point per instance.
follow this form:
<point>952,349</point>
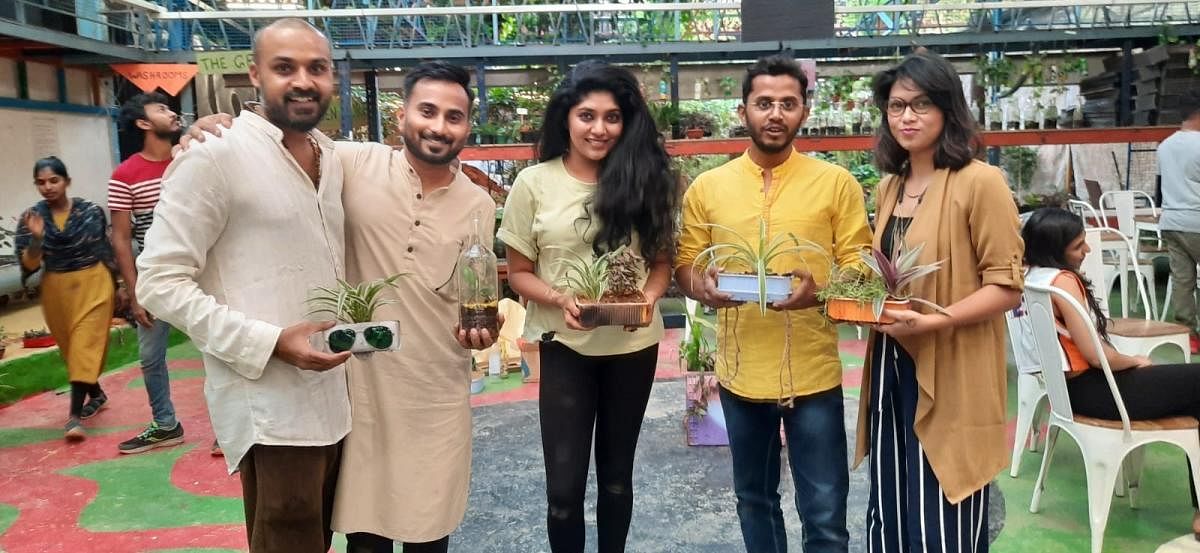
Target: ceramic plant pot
<point>745,287</point>
<point>618,313</point>
<point>363,337</point>
<point>852,311</point>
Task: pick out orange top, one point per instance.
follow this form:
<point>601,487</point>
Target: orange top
<point>1075,359</point>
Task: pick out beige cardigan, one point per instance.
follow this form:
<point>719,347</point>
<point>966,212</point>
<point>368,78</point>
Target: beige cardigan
<point>969,220</point>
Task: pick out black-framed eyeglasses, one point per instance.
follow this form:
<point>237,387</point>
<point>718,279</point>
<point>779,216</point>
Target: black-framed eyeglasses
<point>378,337</point>
<point>766,106</point>
<point>920,106</point>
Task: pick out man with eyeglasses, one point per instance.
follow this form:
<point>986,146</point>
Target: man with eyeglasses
<point>783,366</point>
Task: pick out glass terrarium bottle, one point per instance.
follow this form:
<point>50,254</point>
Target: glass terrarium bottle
<point>478,285</point>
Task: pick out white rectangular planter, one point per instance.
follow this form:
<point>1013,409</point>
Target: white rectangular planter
<point>360,331</point>
<point>745,287</point>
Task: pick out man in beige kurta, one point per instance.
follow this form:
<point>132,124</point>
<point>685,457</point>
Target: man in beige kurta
<point>406,463</point>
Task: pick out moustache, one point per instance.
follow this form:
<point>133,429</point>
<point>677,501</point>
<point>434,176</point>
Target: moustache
<point>437,138</point>
<point>303,95</point>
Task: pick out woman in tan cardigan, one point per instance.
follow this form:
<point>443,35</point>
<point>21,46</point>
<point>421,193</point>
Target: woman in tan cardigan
<point>934,419</point>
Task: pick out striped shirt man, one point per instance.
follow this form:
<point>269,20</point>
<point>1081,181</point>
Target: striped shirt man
<point>134,187</point>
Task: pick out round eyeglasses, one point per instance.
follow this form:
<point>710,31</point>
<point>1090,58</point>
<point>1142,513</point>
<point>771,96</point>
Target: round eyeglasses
<point>920,106</point>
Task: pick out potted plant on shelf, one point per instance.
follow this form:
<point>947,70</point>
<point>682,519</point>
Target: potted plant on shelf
<point>606,289</point>
<point>697,124</point>
<point>757,284</point>
<point>859,293</point>
<point>37,338</point>
<point>354,307</point>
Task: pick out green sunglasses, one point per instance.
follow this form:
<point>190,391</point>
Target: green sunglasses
<point>378,337</point>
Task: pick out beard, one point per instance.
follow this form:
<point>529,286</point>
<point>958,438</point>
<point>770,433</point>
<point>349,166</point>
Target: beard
<point>412,143</point>
<point>277,113</point>
<point>756,136</point>
<point>169,135</point>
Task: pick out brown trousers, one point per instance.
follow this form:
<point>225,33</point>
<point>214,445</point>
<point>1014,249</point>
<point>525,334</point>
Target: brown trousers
<point>1184,251</point>
<point>288,495</point>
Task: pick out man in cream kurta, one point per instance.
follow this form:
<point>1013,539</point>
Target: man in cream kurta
<point>406,465</point>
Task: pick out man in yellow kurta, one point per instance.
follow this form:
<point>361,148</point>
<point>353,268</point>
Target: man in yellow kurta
<point>407,461</point>
<point>782,366</point>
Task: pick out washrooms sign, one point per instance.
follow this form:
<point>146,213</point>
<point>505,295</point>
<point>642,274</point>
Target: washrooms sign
<point>170,77</point>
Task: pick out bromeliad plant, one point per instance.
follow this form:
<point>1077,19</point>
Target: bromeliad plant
<point>355,307</point>
<point>877,282</point>
<point>759,285</point>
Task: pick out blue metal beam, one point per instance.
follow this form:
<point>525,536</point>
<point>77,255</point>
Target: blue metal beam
<point>36,105</point>
<point>74,42</point>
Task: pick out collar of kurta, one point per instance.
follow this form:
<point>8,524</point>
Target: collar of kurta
<point>782,171</point>
<point>414,180</point>
<point>262,124</point>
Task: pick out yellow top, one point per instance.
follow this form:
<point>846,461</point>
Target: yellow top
<point>815,201</point>
<point>545,220</point>
<point>60,219</point>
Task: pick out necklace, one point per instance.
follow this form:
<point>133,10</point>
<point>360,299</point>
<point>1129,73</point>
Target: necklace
<point>316,149</point>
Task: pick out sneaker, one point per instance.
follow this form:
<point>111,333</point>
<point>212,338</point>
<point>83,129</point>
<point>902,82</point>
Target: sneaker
<point>94,406</point>
<point>216,450</point>
<point>152,437</point>
<point>73,431</point>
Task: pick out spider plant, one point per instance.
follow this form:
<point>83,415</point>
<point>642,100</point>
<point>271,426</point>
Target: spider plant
<point>588,279</point>
<point>757,256</point>
<point>350,303</point>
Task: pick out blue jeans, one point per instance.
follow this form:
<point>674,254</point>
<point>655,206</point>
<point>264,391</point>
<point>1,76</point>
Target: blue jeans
<point>816,437</point>
<point>152,349</point>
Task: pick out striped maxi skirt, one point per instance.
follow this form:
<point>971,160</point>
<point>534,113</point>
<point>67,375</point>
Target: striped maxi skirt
<point>908,511</point>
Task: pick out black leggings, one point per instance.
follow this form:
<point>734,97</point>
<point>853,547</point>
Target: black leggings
<point>81,392</point>
<point>579,394</point>
<point>1151,392</point>
<point>362,542</point>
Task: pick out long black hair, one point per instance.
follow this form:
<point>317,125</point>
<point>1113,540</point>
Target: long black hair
<point>637,190</point>
<point>1047,234</point>
<point>959,142</point>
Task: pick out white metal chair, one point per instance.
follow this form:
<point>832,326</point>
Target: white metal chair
<point>1031,391</point>
<point>1105,445</point>
<point>1115,243</point>
<point>1123,205</point>
<point>1130,336</point>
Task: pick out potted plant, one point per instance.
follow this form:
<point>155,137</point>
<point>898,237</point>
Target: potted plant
<point>703,419</point>
<point>477,282</point>
<point>665,116</point>
<point>858,294</point>
<point>39,338</point>
<point>354,307</point>
<point>757,284</point>
<point>697,124</point>
<point>606,289</point>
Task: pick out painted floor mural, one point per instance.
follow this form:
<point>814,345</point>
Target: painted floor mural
<point>85,497</point>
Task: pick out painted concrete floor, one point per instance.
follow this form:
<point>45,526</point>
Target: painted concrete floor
<point>86,498</point>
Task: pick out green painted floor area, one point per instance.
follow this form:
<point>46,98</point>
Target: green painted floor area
<point>17,437</point>
<point>136,494</point>
<point>8,514</point>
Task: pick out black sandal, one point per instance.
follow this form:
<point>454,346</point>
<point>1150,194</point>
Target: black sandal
<point>93,406</point>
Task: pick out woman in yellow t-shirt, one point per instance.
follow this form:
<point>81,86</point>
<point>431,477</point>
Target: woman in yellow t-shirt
<point>68,237</point>
<point>604,182</point>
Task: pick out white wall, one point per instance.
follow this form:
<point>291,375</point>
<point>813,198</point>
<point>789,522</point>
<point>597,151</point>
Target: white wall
<point>83,142</point>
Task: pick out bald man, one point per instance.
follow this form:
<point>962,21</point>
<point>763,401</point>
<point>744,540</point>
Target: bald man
<point>246,225</point>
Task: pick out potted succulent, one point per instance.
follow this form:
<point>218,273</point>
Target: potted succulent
<point>354,307</point>
<point>697,124</point>
<point>606,289</point>
<point>39,338</point>
<point>758,284</point>
<point>858,294</point>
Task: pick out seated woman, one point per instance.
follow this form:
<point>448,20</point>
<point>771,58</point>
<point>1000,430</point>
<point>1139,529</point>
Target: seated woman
<point>1054,238</point>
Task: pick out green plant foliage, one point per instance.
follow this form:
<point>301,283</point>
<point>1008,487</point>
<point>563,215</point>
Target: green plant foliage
<point>587,278</point>
<point>755,256</point>
<point>697,349</point>
<point>1020,163</point>
<point>350,303</point>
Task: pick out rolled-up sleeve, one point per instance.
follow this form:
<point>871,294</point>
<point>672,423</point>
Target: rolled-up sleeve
<point>190,216</point>
<point>694,237</point>
<point>516,227</point>
<point>995,231</point>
